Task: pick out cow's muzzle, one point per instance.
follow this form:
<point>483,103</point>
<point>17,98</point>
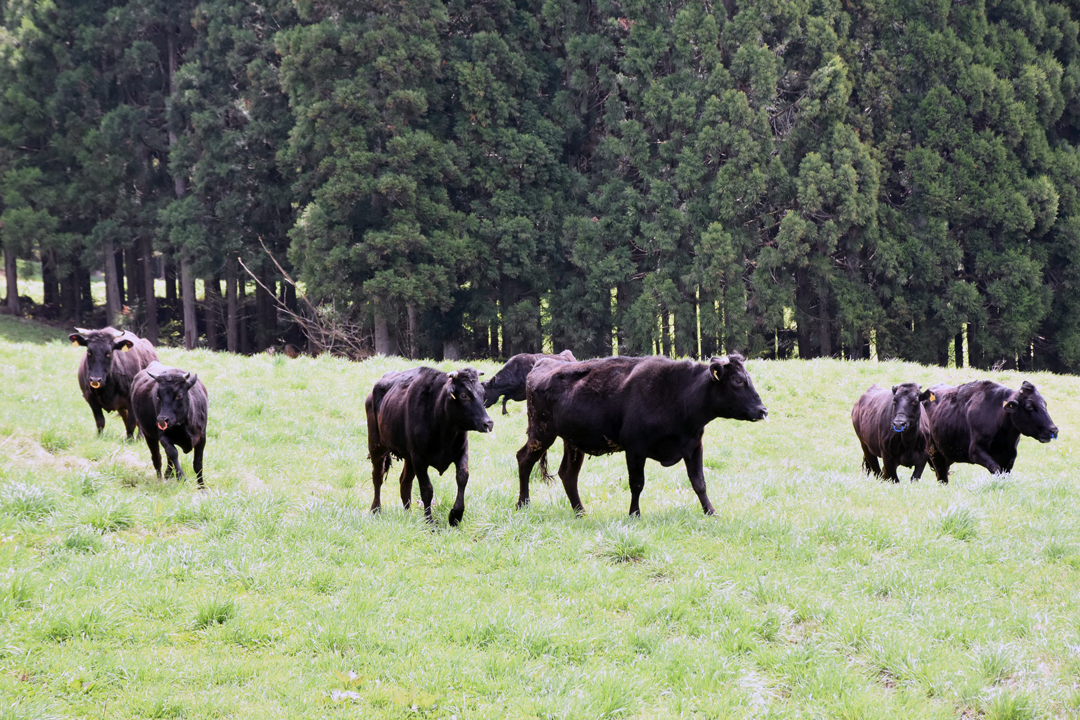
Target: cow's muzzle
<point>95,383</point>
<point>163,424</point>
<point>762,414</point>
<point>1049,435</point>
<point>899,426</point>
<point>487,426</point>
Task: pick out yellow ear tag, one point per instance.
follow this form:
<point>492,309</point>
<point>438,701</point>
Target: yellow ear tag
<point>717,377</point>
<point>453,396</point>
<point>75,343</point>
<point>933,397</point>
<point>1005,403</point>
<point>126,348</point>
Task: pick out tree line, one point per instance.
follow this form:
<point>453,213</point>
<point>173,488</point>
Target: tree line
<point>481,178</point>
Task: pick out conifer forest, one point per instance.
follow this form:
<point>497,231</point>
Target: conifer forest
<point>478,178</point>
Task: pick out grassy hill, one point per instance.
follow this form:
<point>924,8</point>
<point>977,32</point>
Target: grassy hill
<point>814,591</point>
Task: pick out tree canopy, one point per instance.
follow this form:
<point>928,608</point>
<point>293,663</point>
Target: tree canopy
<point>468,179</point>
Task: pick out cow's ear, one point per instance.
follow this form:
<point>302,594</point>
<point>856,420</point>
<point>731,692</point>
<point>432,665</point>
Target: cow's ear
<point>125,344</point>
<point>452,374</point>
<point>894,389</point>
<point>1027,387</point>
<point>1010,404</point>
<point>189,380</point>
<point>718,366</point>
<point>479,373</point>
<point>927,395</point>
<point>77,338</point>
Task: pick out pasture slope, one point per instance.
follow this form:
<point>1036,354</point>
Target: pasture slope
<point>814,592</point>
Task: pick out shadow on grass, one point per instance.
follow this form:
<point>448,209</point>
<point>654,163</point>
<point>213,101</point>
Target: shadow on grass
<point>21,330</point>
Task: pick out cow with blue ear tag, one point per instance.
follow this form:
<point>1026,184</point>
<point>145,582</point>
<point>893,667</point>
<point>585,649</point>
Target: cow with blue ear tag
<point>171,407</point>
<point>423,416</point>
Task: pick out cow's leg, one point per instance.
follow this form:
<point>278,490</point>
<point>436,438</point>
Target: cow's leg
<point>568,473</point>
<point>695,470</point>
<point>527,457</point>
<point>635,467</point>
<point>941,467</point>
<point>427,492</point>
<point>174,459</point>
<point>916,475</point>
<point>504,405</point>
<point>405,480</point>
<point>129,422</point>
<point>379,466</point>
<point>979,456</point>
<point>870,463</point>
<point>99,416</point>
<point>462,475</point>
<point>196,462</point>
<point>155,454</point>
<point>891,464</point>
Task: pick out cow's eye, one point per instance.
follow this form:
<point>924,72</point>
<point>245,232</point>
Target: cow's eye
<point>739,381</point>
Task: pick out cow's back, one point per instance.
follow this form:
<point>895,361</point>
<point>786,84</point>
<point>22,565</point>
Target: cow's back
<point>868,417</point>
<point>397,396</point>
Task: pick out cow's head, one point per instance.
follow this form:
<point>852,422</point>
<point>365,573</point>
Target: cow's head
<point>906,405</point>
<point>491,394</point>
<point>1028,411</point>
<point>466,400</point>
<point>172,395</point>
<point>100,346</point>
<point>732,392</point>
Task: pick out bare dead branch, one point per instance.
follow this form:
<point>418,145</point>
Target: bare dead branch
<point>327,330</point>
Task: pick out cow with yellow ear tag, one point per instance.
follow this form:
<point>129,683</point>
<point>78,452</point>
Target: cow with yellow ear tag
<point>106,371</point>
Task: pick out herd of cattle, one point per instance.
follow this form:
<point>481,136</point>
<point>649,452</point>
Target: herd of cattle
<point>645,407</point>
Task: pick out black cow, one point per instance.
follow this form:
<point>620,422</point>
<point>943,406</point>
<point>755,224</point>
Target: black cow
<point>649,407</point>
<point>112,360</point>
<point>171,407</point>
<point>892,426</point>
<point>981,423</point>
<point>509,382</point>
<point>423,416</point>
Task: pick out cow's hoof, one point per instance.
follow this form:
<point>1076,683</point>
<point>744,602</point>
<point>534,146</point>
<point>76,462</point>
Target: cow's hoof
<point>522,502</point>
<point>455,517</point>
<point>376,509</point>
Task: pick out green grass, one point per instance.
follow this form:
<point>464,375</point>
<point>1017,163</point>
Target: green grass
<point>815,592</point>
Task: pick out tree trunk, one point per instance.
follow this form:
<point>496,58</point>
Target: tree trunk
<point>11,271</point>
<point>187,294</point>
<point>975,358</point>
<point>170,281</point>
<point>450,350</point>
<point>241,316</point>
<point>266,311</point>
<point>149,295</point>
<point>710,322</point>
<point>232,337</point>
<point>69,294</point>
<point>382,334</point>
<point>121,291</point>
<point>685,328</point>
<point>665,338</point>
<point>803,315</point>
<point>135,285</point>
<point>414,330</point>
<point>112,284</point>
<point>494,347</point>
<point>50,282</point>
<point>958,349</point>
<point>211,307</point>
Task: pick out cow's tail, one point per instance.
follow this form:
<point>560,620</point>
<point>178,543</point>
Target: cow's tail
<point>545,474</point>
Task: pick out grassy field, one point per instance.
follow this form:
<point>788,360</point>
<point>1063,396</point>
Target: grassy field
<point>815,592</point>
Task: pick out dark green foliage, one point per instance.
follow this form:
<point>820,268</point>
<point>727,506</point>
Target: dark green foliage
<point>485,178</point>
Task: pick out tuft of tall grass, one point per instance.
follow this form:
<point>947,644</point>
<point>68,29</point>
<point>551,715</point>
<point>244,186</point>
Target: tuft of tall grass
<point>957,521</point>
<point>109,514</point>
<point>213,611</point>
<point>26,501</point>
